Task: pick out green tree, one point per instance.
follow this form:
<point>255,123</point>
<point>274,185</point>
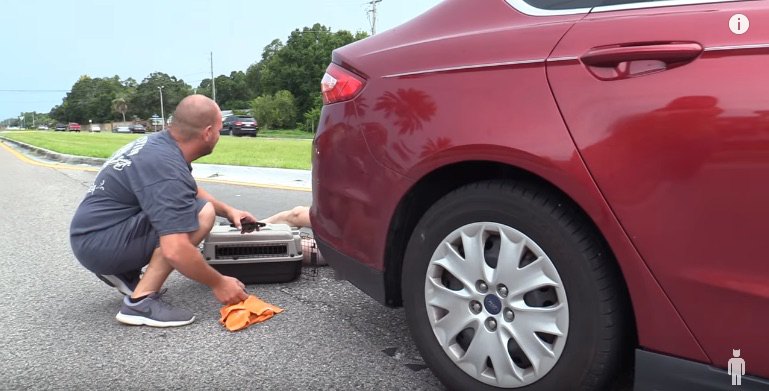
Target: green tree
<point>29,120</point>
<point>120,104</point>
<point>276,111</point>
<point>146,101</point>
<point>253,79</point>
<point>232,89</point>
<point>254,72</point>
<point>204,88</point>
<point>232,92</point>
<point>299,65</point>
<point>89,99</point>
<point>262,109</point>
<point>284,106</point>
<point>312,116</point>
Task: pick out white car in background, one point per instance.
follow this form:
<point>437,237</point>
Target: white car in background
<point>95,128</point>
<point>122,129</point>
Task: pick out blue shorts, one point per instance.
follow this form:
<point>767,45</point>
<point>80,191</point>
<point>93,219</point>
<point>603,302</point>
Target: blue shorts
<point>127,246</point>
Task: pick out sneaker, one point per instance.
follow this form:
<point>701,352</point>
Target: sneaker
<point>152,311</point>
<point>125,283</point>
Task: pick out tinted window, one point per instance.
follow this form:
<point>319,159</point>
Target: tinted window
<point>555,5</point>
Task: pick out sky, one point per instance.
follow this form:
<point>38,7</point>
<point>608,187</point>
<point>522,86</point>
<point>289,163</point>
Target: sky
<point>48,44</point>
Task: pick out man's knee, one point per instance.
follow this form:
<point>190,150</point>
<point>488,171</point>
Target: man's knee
<point>300,216</point>
<point>298,211</point>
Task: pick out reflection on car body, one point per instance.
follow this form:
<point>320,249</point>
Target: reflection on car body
<point>551,189</point>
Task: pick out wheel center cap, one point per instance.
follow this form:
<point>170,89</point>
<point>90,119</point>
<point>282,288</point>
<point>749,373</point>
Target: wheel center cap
<point>493,304</point>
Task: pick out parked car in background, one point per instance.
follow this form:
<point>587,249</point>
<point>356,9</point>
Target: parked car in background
<point>121,129</point>
<point>73,127</point>
<point>138,128</point>
<point>240,125</point>
<point>42,127</point>
<point>558,192</point>
<point>61,128</point>
<point>95,128</point>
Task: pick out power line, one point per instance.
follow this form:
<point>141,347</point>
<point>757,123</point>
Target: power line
<point>213,80</point>
<point>2,90</point>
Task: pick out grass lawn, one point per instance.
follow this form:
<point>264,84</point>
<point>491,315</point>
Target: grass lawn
<point>237,151</point>
<point>285,133</point>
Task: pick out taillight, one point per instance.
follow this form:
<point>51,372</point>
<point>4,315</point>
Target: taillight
<point>339,84</point>
<point>238,123</point>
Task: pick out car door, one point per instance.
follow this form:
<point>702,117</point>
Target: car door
<point>669,108</point>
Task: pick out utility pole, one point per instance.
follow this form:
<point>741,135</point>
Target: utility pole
<point>213,81</point>
<point>162,113</point>
<point>372,11</point>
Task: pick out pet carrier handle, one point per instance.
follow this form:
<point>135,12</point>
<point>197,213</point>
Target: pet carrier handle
<point>249,227</point>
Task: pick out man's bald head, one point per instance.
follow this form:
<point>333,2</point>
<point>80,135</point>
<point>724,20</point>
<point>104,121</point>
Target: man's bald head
<point>193,114</point>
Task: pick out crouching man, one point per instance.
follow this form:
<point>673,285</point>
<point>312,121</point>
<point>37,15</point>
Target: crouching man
<point>145,209</point>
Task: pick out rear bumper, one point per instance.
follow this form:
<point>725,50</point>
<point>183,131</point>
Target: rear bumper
<point>354,199</point>
<point>247,131</point>
<point>368,280</point>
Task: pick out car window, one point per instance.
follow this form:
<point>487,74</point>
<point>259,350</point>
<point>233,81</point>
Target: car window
<point>585,5</point>
<point>563,5</point>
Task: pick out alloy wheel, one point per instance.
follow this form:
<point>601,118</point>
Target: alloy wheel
<point>496,304</point>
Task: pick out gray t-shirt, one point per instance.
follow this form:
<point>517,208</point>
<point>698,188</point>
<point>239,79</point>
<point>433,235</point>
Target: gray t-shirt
<point>148,175</point>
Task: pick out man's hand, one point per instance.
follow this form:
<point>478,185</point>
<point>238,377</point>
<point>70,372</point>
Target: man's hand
<point>237,217</point>
<point>230,291</point>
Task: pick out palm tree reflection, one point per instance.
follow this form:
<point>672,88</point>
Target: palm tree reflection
<point>410,108</point>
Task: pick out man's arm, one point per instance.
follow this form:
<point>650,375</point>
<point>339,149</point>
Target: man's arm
<point>183,256</point>
<point>223,210</point>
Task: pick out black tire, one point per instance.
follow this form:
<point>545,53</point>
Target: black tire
<point>596,342</point>
<point>230,132</point>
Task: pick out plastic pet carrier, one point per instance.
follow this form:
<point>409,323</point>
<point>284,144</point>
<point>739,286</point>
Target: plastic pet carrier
<point>272,254</point>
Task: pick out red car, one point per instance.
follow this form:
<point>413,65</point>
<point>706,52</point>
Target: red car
<point>562,195</point>
<point>73,127</point>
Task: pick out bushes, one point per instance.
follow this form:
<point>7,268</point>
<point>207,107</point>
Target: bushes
<point>275,111</point>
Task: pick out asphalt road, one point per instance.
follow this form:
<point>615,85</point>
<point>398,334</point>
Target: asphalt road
<point>59,330</point>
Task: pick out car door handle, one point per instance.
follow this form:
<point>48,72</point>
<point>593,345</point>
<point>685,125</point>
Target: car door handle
<point>622,62</point>
<point>668,53</point>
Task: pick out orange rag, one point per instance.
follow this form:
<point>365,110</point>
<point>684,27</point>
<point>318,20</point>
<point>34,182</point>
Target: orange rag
<point>252,310</point>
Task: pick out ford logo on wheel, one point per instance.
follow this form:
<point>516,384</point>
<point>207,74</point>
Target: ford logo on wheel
<point>493,304</point>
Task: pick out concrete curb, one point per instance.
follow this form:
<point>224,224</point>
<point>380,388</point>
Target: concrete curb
<point>56,156</point>
<point>275,178</point>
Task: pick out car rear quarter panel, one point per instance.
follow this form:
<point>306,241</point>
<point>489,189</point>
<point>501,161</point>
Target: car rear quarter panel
<point>428,104</point>
<point>509,116</point>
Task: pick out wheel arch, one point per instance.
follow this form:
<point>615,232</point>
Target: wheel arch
<point>439,182</point>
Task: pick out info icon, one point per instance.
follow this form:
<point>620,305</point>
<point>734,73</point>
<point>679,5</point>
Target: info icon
<point>739,24</point>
